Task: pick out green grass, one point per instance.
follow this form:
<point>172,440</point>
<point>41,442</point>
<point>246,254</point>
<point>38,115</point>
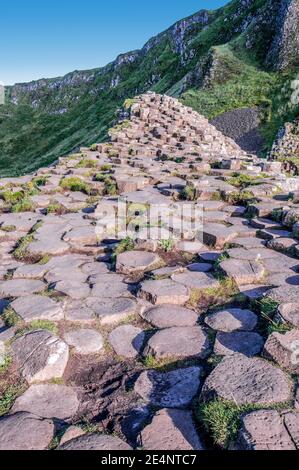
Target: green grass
<point>243,181</point>
<point>37,325</point>
<point>10,317</point>
<point>12,197</point>
<point>21,251</point>
<point>25,205</point>
<point>125,245</point>
<point>75,184</point>
<point>221,420</point>
<point>8,397</point>
<point>5,365</point>
<point>55,208</point>
<point>85,163</point>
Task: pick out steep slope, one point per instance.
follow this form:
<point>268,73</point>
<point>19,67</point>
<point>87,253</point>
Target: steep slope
<point>242,55</point>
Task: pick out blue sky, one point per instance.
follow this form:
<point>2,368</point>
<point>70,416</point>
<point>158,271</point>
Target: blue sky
<point>49,38</point>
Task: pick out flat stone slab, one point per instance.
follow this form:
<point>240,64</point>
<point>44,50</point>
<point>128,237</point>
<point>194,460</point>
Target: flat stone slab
<point>171,430</point>
<point>243,342</point>
<point>289,312</point>
<point>196,280</point>
<point>243,272</point>
<point>247,381</point>
<point>179,342</point>
<point>164,291</point>
<point>30,271</point>
<point>41,356</point>
<point>24,431</point>
<point>38,307</point>
<point>174,389</point>
<point>232,319</point>
<point>200,267</point>
<point>85,341</point>
<point>284,294</point>
<point>264,430</point>
<point>167,316</point>
<point>21,287</point>
<point>217,235</point>
<point>95,442</point>
<point>48,246</point>
<point>127,340</point>
<point>48,401</point>
<point>77,311</point>
<point>73,289</point>
<point>136,261</point>
<point>284,350</point>
<point>112,310</point>
<point>254,292</point>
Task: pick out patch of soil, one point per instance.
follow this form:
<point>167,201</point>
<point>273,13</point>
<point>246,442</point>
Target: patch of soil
<point>105,390</point>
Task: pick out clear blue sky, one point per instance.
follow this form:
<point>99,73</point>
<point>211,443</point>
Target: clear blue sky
<point>48,38</point>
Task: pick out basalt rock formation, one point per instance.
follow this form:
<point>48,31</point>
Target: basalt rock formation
<point>156,334</point>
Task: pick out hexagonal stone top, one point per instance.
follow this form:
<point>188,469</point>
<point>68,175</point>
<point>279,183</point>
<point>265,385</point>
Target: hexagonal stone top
<point>136,261</point>
<point>167,316</point>
<point>248,380</point>
<point>232,319</point>
<point>174,389</point>
<point>41,356</point>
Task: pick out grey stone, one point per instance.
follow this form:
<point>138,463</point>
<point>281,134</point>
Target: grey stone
<point>37,307</point>
<point>196,280</point>
<point>172,430</point>
<point>289,312</point>
<point>85,341</point>
<point>127,340</point>
<point>243,342</point>
<point>112,310</point>
<point>48,401</point>
<point>41,356</point>
<point>232,319</point>
<point>21,288</point>
<point>175,389</point>
<point>136,261</point>
<point>248,381</point>
<point>24,431</point>
<point>243,272</point>
<point>264,430</point>
<point>95,442</point>
<point>178,343</point>
<point>284,349</point>
<point>164,291</point>
<point>167,316</point>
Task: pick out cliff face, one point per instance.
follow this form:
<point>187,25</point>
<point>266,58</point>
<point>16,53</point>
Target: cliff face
<point>49,117</point>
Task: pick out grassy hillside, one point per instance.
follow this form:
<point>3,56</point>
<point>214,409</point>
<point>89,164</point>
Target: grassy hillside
<point>204,59</point>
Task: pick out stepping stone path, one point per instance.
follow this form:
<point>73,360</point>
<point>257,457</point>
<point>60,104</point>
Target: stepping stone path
<point>166,297</point>
<point>48,401</point>
<point>41,356</point>
<point>85,341</point>
<point>179,343</point>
